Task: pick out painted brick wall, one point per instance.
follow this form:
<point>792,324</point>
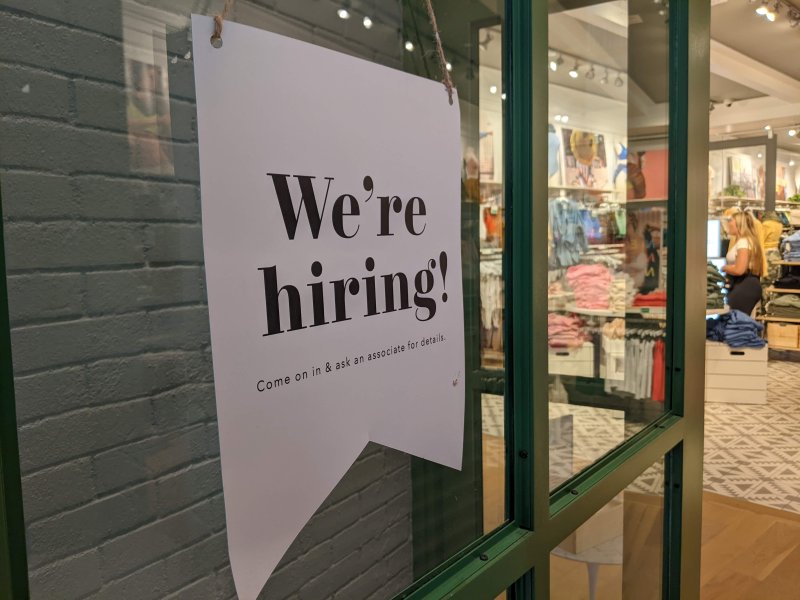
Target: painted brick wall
<point>115,398</point>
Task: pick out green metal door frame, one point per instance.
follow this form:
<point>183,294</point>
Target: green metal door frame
<point>517,556</point>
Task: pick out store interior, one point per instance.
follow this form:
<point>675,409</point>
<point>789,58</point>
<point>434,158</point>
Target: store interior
<point>608,261</point>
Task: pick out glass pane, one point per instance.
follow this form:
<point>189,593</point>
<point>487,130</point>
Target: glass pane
<point>114,386</point>
<point>617,553</point>
<point>607,201</point>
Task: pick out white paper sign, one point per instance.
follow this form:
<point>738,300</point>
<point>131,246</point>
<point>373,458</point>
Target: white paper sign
<point>331,230</point>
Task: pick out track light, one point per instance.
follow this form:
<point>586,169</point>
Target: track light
<point>767,128</point>
<point>492,89</point>
<point>573,72</point>
<point>792,132</point>
<point>618,81</point>
<point>409,46</point>
<point>448,66</point>
<point>590,73</point>
<point>791,163</point>
<point>604,78</point>
<point>367,22</point>
<point>343,13</point>
<point>554,64</point>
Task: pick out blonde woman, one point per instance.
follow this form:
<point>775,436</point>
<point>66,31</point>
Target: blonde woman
<point>745,263</point>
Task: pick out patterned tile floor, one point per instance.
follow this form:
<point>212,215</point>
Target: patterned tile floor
<point>752,451</point>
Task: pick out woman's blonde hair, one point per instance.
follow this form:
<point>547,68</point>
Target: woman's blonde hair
<point>747,231</point>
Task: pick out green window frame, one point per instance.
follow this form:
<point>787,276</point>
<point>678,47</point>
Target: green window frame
<point>517,555</point>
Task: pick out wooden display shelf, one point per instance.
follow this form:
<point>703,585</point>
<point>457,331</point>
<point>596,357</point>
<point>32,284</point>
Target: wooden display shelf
<point>787,263</point>
<point>778,319</point>
<point>774,290</point>
<point>784,348</point>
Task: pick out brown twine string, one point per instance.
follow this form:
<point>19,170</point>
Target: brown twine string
<point>216,37</point>
<point>446,79</point>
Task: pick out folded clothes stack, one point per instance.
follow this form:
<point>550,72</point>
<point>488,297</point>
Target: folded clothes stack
<point>788,282</point>
<point>655,298</point>
<point>791,247</point>
<point>565,331</point>
<point>623,291</point>
<point>558,296</point>
<point>785,305</point>
<point>736,329</point>
<point>715,281</point>
<point>591,285</point>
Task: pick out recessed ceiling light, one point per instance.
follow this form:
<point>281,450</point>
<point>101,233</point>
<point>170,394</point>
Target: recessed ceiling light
<point>343,13</point>
<point>792,132</point>
<point>767,127</point>
<point>409,46</point>
<point>492,89</point>
<point>503,96</point>
<point>791,163</point>
<point>558,118</point>
<point>367,22</point>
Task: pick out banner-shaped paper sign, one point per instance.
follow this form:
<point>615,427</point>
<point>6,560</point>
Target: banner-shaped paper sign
<point>331,230</point>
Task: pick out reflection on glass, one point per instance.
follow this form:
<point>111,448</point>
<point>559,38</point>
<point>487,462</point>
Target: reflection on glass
<point>147,87</point>
<point>608,93</point>
<point>494,462</point>
<point>486,163</point>
<point>617,553</point>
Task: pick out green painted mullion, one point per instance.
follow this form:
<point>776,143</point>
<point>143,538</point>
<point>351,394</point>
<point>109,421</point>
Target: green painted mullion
<point>519,252</point>
<point>13,553</point>
<point>689,85</point>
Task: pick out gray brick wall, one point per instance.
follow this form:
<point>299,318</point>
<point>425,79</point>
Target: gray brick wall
<point>118,441</point>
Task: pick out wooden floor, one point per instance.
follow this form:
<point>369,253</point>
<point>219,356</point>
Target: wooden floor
<point>749,551</point>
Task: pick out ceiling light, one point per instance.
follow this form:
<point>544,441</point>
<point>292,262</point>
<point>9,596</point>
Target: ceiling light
<point>711,106</point>
<point>618,81</point>
<point>590,73</point>
<point>503,96</point>
<point>604,78</point>
<point>554,64</point>
<point>763,9</point>
<point>573,72</point>
<point>564,118</point>
<point>770,16</point>
<point>767,127</point>
<point>448,66</point>
<point>759,155</point>
<point>558,118</point>
<point>791,163</point>
<point>409,46</point>
<point>792,132</point>
<point>367,22</point>
<point>343,13</point>
<point>492,89</point>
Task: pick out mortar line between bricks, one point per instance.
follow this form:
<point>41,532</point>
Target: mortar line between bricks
<point>206,458</point>
<point>96,361</point>
<point>139,266</point>
<point>115,494</point>
<point>38,18</point>
<point>113,177</point>
<point>27,119</point>
<point>119,403</point>
<point>91,454</point>
<point>26,220</point>
<point>100,548</point>
<point>194,182</point>
<point>88,314</point>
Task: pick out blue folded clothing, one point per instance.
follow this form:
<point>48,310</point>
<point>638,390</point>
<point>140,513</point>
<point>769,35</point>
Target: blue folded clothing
<point>736,329</point>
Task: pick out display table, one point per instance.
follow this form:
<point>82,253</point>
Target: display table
<point>736,375</point>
